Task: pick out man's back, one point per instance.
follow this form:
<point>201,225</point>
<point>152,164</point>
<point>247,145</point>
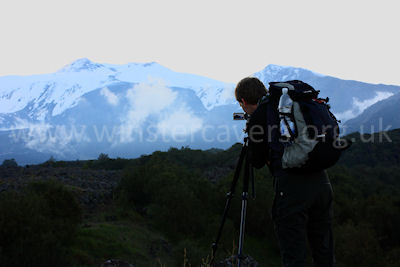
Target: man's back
<point>302,206</point>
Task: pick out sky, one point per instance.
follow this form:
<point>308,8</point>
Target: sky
<point>223,40</point>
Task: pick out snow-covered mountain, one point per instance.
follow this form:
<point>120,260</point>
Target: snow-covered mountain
<point>51,94</point>
<point>87,108</point>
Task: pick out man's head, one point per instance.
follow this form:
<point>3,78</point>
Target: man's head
<point>248,92</point>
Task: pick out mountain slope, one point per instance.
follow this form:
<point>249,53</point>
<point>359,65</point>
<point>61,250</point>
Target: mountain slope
<point>128,110</point>
<point>377,117</point>
<point>347,98</point>
<point>51,94</point>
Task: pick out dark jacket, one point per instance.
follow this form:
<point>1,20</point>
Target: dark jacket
<point>264,134</point>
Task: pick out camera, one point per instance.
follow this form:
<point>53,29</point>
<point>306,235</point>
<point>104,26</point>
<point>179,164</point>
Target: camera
<point>240,116</point>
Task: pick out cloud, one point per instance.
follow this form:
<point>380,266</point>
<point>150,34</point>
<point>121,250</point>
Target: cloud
<point>18,124</point>
<point>180,122</point>
<point>346,115</point>
<point>359,106</point>
<point>110,96</point>
<point>362,105</point>
<point>144,99</point>
<point>43,137</point>
<point>169,117</point>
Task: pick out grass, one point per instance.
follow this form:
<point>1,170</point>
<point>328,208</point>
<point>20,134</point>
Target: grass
<point>115,235</point>
<point>263,252</point>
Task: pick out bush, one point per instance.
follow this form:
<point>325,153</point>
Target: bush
<point>357,245</point>
<point>172,196</point>
<point>9,163</point>
<point>38,226</point>
<point>103,157</point>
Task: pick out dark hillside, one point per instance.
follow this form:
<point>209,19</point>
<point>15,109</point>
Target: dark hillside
<point>149,210</point>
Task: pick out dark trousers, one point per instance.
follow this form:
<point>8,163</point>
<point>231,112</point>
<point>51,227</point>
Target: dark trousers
<point>303,210</point>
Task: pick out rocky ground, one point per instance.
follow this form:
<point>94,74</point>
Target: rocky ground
<point>93,187</point>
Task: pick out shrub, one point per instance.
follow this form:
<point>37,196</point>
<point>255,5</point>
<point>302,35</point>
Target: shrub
<point>38,226</point>
<point>9,163</point>
<point>103,157</point>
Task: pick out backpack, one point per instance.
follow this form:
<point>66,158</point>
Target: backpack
<point>309,130</point>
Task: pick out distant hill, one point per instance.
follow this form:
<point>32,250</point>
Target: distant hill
<point>378,149</point>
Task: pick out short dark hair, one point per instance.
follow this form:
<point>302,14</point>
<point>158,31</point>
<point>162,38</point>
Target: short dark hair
<point>250,89</point>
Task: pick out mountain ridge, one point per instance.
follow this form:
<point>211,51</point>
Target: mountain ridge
<point>137,102</point>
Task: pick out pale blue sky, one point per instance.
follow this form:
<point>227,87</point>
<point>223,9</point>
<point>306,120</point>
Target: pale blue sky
<point>224,40</point>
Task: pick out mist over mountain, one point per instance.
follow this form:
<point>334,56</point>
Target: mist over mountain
<point>87,108</point>
<point>383,115</point>
<point>348,98</point>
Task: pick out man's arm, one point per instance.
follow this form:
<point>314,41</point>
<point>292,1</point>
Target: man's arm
<point>258,146</point>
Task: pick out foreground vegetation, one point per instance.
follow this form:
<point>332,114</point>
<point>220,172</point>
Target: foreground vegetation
<point>170,202</point>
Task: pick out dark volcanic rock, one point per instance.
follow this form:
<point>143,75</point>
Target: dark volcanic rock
<point>92,187</point>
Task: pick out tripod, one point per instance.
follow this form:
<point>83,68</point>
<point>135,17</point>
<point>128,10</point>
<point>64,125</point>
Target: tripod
<point>248,173</point>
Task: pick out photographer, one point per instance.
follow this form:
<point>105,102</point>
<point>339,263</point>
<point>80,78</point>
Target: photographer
<point>303,202</point>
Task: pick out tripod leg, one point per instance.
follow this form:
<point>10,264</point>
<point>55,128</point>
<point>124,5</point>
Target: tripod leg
<point>253,187</point>
<point>229,196</point>
<point>244,208</point>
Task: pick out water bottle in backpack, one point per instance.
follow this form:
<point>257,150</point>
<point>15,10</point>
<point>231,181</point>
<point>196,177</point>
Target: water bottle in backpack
<point>287,127</point>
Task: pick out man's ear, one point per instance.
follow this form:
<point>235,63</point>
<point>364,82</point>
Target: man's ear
<point>244,101</point>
